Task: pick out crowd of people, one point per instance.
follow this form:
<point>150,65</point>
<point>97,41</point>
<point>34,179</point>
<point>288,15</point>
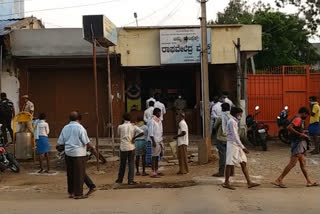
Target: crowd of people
<point>142,141</point>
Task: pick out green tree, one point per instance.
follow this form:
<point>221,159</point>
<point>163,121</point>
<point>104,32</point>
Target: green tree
<point>284,37</point>
<point>309,8</point>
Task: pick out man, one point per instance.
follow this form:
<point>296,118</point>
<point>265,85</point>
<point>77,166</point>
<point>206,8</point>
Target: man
<point>183,142</point>
<point>179,106</point>
<point>148,112</point>
<point>220,126</point>
<point>7,112</point>
<point>225,96</point>
<point>27,107</point>
<point>236,152</point>
<point>299,146</point>
<point>75,140</point>
<point>149,100</point>
<point>155,131</point>
<point>160,106</point>
<point>141,147</point>
<point>313,128</point>
<point>215,112</point>
<point>128,133</point>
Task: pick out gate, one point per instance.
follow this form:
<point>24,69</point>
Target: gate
<point>284,86</point>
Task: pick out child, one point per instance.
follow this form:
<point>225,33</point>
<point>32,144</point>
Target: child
<point>141,143</point>
<point>41,136</point>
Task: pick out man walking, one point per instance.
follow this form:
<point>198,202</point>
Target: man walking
<point>148,112</point>
<point>313,128</point>
<point>155,131</point>
<point>299,146</point>
<point>75,140</point>
<point>220,126</point>
<point>236,152</point>
<point>128,133</point>
<point>183,142</point>
<point>7,112</point>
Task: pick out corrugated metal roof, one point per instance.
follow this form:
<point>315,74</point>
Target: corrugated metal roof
<point>6,23</point>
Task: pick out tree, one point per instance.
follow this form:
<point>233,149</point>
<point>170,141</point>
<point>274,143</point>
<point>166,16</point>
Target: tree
<point>284,37</point>
<point>309,8</point>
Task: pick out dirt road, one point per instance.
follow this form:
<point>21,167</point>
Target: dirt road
<point>28,192</point>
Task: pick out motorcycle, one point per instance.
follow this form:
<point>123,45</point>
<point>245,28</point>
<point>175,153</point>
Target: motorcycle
<point>283,122</point>
<point>7,160</point>
<point>257,131</point>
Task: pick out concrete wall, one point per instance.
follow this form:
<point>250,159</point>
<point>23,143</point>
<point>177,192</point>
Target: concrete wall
<point>10,85</point>
<point>137,46</point>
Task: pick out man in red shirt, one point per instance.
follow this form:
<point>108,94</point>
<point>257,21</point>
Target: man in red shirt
<point>299,146</point>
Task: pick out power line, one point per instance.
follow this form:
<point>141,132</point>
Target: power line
<point>63,8</point>
<point>151,14</point>
<point>173,12</point>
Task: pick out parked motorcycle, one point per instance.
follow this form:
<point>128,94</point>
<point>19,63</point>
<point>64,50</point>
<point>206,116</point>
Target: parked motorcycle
<point>7,160</point>
<point>283,122</point>
<point>257,132</point>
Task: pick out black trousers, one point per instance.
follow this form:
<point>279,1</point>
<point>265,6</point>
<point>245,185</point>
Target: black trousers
<point>124,156</point>
<point>6,124</point>
<point>89,183</point>
<point>76,172</point>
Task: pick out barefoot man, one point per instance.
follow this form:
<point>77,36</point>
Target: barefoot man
<point>299,146</point>
<point>236,152</point>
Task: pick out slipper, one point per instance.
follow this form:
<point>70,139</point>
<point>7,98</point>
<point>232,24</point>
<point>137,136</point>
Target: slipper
<point>218,175</point>
<point>46,171</point>
<point>80,197</point>
<point>228,187</point>
<point>313,185</point>
<point>138,174</point>
<point>145,174</point>
<point>155,176</point>
<point>91,191</point>
<point>279,185</point>
<point>253,185</point>
<point>40,171</point>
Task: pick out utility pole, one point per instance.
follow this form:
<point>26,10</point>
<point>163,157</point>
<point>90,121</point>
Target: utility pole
<point>205,148</point>
<point>96,98</point>
<point>238,46</point>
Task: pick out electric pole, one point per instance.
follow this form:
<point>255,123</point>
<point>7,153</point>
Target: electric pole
<point>205,149</point>
<point>238,47</point>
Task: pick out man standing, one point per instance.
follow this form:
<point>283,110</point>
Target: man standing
<point>313,128</point>
<point>75,140</point>
<point>179,106</point>
<point>160,106</point>
<point>155,131</point>
<point>216,111</point>
<point>27,107</point>
<point>148,112</point>
<point>128,133</point>
<point>299,146</point>
<point>236,152</point>
<point>7,112</point>
<point>220,126</point>
<point>149,100</point>
<point>225,96</point>
<point>183,142</point>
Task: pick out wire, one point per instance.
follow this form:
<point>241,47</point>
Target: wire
<point>173,12</point>
<point>151,14</point>
<point>62,8</point>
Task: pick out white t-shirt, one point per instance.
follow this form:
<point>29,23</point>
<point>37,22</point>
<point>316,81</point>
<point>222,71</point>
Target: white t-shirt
<point>162,107</point>
<point>183,127</point>
<point>148,100</point>
<point>127,131</point>
<point>43,128</point>
<point>155,130</point>
<point>148,114</point>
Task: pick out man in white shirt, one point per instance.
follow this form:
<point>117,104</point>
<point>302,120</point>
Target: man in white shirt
<point>75,140</point>
<point>128,133</point>
<point>149,112</point>
<point>160,106</point>
<point>225,97</point>
<point>216,112</point>
<point>236,151</point>
<point>155,131</point>
<point>183,142</point>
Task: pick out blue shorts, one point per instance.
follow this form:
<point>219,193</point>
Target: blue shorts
<point>313,129</point>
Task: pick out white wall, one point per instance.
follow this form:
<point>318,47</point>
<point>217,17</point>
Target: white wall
<point>10,85</point>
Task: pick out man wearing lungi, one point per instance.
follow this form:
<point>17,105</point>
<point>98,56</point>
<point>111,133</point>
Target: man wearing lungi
<point>313,128</point>
<point>236,151</point>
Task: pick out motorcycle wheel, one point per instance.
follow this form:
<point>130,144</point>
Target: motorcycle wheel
<point>14,165</point>
<point>283,136</point>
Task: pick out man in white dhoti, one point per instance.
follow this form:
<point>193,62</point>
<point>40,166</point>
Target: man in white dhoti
<point>236,151</point>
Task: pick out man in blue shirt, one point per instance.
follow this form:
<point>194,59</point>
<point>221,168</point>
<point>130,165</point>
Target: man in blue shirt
<point>75,140</point>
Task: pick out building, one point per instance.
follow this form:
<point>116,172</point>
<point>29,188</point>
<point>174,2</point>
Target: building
<point>13,9</point>
<point>55,68</point>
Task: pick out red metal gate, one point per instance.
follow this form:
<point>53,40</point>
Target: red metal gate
<point>285,86</point>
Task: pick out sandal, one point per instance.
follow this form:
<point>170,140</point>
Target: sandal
<point>281,185</point>
<point>138,174</point>
<point>228,186</point>
<point>80,197</point>
<point>145,174</point>
<point>40,171</point>
<point>217,175</point>
<point>253,185</point>
<point>313,185</point>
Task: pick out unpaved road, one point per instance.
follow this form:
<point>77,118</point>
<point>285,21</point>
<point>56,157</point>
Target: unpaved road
<point>27,193</point>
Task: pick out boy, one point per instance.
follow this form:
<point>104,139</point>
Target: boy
<point>141,143</point>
